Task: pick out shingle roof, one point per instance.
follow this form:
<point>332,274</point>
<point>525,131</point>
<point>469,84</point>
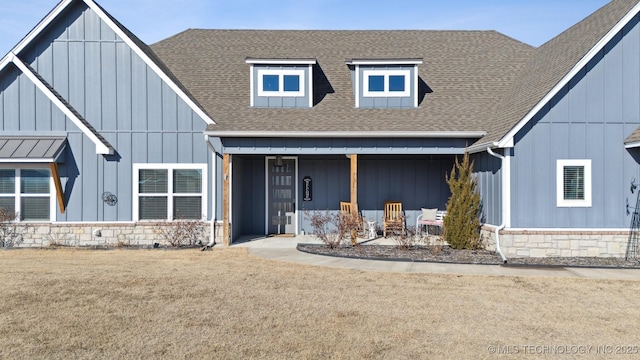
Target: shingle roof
<point>467,73</point>
<point>551,62</point>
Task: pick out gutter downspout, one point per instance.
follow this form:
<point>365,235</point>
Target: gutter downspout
<point>212,238</point>
<point>503,224</point>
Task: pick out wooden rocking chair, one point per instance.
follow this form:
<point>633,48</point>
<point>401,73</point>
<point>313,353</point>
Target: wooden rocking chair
<point>393,217</point>
<point>345,208</point>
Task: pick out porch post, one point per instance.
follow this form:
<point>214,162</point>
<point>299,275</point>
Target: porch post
<point>226,238</point>
<point>354,182</point>
<point>354,195</point>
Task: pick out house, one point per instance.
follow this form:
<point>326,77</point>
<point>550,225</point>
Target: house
<point>247,129</point>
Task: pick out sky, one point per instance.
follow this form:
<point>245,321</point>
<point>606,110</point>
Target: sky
<point>531,21</point>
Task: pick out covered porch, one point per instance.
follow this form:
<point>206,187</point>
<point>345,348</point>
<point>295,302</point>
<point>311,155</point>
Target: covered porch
<point>269,192</point>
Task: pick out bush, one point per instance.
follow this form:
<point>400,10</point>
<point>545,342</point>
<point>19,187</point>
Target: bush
<point>331,229</point>
<point>407,240</point>
<point>10,231</point>
<point>462,223</point>
<point>182,232</point>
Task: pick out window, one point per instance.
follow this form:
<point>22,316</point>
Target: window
<point>27,192</point>
<point>573,183</point>
<point>386,83</point>
<point>170,192</point>
<point>284,83</point>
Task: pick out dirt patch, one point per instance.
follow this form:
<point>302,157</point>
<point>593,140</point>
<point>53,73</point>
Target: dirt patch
<point>446,254</point>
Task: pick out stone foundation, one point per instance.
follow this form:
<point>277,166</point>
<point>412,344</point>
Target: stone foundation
<point>524,243</point>
<point>99,234</point>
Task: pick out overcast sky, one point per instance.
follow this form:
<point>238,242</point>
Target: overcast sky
<point>531,21</point>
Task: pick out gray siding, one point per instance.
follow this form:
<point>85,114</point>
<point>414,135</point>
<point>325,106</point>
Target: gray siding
<point>119,95</point>
<point>280,101</point>
<point>385,102</point>
<point>588,119</point>
<point>488,173</point>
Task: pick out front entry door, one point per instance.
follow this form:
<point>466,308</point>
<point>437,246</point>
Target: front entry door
<point>281,196</point>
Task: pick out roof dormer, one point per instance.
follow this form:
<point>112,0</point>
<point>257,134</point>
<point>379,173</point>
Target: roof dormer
<point>385,83</point>
<point>281,83</point>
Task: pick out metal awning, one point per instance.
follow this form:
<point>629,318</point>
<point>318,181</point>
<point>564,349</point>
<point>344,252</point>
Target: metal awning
<point>31,149</point>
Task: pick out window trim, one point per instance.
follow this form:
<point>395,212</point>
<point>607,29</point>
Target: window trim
<point>18,195</point>
<point>386,73</point>
<point>281,73</point>
<point>560,200</point>
<point>170,194</point>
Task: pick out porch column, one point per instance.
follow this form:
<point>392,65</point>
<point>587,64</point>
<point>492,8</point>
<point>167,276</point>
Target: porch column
<point>354,183</point>
<point>226,226</point>
<point>354,195</point>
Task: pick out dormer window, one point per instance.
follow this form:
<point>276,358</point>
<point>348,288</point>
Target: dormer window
<point>281,83</point>
<point>385,83</point>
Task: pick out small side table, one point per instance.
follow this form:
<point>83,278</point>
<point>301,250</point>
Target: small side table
<point>372,229</point>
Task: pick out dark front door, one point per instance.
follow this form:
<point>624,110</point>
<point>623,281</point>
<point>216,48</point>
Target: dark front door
<point>281,193</point>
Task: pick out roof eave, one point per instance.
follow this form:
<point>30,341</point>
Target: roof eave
<point>348,134</point>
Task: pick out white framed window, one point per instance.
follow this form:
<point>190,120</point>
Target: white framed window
<point>386,83</point>
<point>169,191</point>
<point>28,192</point>
<point>285,83</point>
<point>573,188</point>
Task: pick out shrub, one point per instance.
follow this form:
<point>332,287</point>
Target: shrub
<point>330,229</point>
<point>10,231</point>
<point>408,240</point>
<point>181,232</point>
<point>462,223</point>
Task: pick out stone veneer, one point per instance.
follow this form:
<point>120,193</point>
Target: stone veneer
<point>99,234</point>
<point>525,243</point>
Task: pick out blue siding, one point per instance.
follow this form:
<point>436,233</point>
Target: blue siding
<point>589,119</point>
<point>488,173</point>
<point>278,101</point>
<point>114,90</point>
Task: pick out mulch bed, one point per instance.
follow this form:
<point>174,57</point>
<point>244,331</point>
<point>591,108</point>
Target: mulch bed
<point>445,254</point>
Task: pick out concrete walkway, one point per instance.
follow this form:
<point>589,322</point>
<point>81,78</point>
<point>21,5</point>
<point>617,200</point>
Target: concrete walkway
<point>284,249</point>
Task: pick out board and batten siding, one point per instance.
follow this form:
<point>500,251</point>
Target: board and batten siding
<point>588,119</point>
<point>488,174</point>
<point>122,98</point>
